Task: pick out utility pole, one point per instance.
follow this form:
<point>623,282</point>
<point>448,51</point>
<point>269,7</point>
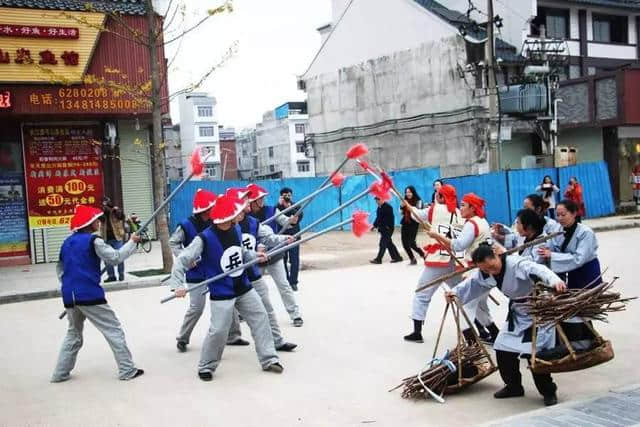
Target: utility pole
<point>494,159</point>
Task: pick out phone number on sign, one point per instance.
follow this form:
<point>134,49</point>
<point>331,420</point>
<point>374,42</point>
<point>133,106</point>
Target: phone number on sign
<point>98,104</point>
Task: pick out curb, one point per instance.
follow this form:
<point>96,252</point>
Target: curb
<point>625,226</point>
<point>55,293</point>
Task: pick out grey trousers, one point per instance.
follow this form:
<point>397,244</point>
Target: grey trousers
<point>279,276</point>
<point>222,311</point>
<point>103,318</point>
<point>261,288</point>
<point>197,301</point>
<point>422,299</point>
<point>478,309</point>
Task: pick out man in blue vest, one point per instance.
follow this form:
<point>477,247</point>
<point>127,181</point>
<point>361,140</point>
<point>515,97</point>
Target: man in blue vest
<point>84,298</point>
<point>275,267</point>
<point>203,201</point>
<point>219,247</point>
<point>254,235</point>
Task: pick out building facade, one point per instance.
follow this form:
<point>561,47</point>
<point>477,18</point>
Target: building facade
<point>247,152</point>
<point>173,152</point>
<point>280,143</point>
<point>228,155</point>
<point>69,135</point>
<point>199,128</point>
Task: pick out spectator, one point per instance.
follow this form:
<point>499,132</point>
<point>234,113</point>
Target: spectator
<point>574,193</point>
<point>409,229</point>
<point>292,256</point>
<point>113,233</point>
<point>548,190</point>
<point>436,186</point>
<point>385,223</point>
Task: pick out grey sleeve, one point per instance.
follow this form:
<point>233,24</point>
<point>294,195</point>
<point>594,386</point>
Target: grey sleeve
<point>526,267</point>
<point>471,288</point>
<point>175,241</point>
<point>281,219</point>
<point>187,258</point>
<point>267,237</point>
<point>465,239</point>
<point>112,256</point>
<point>586,248</point>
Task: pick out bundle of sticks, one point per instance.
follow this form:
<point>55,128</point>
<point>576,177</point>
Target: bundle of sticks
<point>593,304</point>
<point>441,375</point>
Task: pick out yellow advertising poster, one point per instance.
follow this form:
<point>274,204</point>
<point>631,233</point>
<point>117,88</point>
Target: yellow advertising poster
<point>46,46</point>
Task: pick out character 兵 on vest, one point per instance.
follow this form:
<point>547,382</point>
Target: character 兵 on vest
<point>512,275</point>
<point>220,249</point>
<point>187,230</point>
<point>443,215</point>
<point>79,273</point>
<point>253,234</point>
<point>275,266</point>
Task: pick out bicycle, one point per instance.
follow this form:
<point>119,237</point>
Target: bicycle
<point>144,245</point>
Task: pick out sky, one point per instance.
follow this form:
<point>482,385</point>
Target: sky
<point>276,41</point>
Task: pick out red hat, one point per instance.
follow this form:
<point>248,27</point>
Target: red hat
<point>476,202</point>
<point>256,192</point>
<point>448,192</point>
<point>237,192</point>
<point>83,216</point>
<point>203,200</point>
<point>226,209</point>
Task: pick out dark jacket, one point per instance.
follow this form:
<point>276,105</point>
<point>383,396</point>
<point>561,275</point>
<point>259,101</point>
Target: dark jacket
<point>385,219</point>
<point>294,228</point>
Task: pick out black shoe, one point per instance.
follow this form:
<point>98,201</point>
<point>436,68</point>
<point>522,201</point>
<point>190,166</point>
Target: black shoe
<point>182,346</point>
<point>288,346</point>
<point>550,399</point>
<point>509,391</point>
<point>413,261</point>
<point>121,279</point>
<point>110,279</point>
<point>239,342</point>
<point>205,376</point>
<point>393,261</point>
<point>375,261</point>
<point>274,367</point>
<point>139,372</point>
<point>294,286</point>
<point>414,337</point>
<point>297,322</point>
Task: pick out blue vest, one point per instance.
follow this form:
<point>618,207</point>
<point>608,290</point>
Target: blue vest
<point>196,274</point>
<point>267,212</point>
<point>213,260</point>
<point>249,228</point>
<point>80,271</point>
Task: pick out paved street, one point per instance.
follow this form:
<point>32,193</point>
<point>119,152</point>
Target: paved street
<point>351,352</point>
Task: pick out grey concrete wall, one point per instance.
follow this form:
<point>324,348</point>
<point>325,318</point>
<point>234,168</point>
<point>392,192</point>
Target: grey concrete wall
<point>588,141</point>
<point>408,83</point>
<point>273,133</point>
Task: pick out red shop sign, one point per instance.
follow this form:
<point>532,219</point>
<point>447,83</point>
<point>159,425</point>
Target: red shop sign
<point>39,31</point>
<point>5,100</point>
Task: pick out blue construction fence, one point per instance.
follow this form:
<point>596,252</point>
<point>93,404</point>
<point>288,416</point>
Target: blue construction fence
<point>504,191</point>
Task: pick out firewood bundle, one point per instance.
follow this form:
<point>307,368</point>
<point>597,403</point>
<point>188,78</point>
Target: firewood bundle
<point>442,376</point>
<point>549,308</point>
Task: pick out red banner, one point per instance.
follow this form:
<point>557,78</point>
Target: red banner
<point>63,168</point>
<point>39,31</point>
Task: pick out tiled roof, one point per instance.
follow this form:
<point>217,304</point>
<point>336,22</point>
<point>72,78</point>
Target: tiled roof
<point>624,4</point>
<point>504,50</point>
<point>125,7</point>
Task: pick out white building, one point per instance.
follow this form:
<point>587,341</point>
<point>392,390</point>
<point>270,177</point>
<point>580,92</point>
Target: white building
<point>199,128</point>
<point>280,143</point>
<point>247,152</point>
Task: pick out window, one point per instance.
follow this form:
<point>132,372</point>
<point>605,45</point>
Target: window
<point>555,22</point>
<point>255,163</point>
<point>304,167</point>
<point>244,152</point>
<point>270,151</point>
<point>205,111</point>
<point>300,147</point>
<point>209,150</point>
<point>610,29</point>
<point>300,128</point>
<point>272,168</point>
<point>211,171</point>
<point>206,131</point>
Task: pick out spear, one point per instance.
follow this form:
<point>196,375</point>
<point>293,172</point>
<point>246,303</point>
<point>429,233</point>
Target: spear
<point>360,226</point>
<point>472,266</point>
<point>353,153</point>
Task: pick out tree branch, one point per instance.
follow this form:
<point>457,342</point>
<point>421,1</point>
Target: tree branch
<point>226,7</point>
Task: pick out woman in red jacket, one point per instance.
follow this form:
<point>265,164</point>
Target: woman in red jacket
<point>574,193</point>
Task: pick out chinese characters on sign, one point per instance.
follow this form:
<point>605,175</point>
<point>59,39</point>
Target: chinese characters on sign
<point>85,99</point>
<point>63,167</point>
<point>5,100</point>
<point>47,57</point>
<point>40,32</point>
<point>13,219</point>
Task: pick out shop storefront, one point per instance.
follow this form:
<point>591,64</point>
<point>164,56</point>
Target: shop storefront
<point>71,131</point>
